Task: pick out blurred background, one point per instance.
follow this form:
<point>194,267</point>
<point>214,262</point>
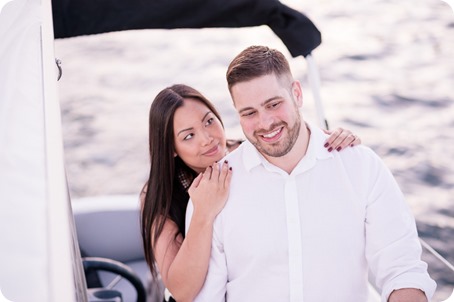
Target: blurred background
<point>387,74</point>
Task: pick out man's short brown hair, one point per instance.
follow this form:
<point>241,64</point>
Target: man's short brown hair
<point>257,61</point>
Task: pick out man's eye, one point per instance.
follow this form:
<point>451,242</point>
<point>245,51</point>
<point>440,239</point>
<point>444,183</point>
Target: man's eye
<point>274,105</point>
<point>248,114</point>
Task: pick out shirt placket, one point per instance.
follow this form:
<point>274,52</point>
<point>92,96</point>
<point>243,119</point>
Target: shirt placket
<point>295,252</point>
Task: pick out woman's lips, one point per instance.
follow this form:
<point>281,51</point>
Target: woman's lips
<point>212,151</point>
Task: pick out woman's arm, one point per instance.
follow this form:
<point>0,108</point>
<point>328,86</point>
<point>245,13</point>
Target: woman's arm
<point>184,263</point>
<point>340,139</point>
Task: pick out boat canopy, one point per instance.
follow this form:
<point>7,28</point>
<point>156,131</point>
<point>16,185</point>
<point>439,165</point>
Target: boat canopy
<point>84,17</point>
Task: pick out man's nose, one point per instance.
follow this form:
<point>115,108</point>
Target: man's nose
<point>265,120</point>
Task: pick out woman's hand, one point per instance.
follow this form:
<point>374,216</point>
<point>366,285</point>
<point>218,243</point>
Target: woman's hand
<point>210,189</point>
<point>340,139</point>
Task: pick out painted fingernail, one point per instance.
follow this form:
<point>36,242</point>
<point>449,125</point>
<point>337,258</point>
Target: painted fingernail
<point>351,145</point>
<point>330,149</point>
<point>339,148</point>
<point>226,161</point>
<point>326,145</point>
<point>230,168</point>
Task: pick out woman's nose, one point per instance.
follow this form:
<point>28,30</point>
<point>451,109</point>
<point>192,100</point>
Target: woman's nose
<point>206,138</point>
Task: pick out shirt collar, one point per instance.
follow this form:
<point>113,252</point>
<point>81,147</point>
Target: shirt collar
<point>316,147</point>
<point>252,158</point>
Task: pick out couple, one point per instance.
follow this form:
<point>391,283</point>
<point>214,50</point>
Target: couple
<point>280,219</point>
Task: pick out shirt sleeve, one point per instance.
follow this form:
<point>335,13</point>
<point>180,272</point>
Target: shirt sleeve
<point>393,250</point>
<point>215,286</point>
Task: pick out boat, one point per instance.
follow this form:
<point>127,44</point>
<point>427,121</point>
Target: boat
<point>51,245</point>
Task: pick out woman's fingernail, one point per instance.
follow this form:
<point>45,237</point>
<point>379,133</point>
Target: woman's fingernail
<point>326,145</point>
<point>330,149</point>
<point>226,161</point>
<point>351,145</point>
<point>230,168</point>
<point>339,148</point>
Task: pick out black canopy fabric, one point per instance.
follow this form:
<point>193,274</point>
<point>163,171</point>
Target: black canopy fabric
<point>84,17</point>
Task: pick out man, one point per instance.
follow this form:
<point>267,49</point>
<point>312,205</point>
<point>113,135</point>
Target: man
<point>302,223</point>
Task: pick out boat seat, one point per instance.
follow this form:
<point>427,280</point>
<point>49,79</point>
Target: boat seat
<point>109,227</point>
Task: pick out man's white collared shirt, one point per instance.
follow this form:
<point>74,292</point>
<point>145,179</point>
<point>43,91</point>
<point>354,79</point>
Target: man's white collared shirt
<point>312,235</point>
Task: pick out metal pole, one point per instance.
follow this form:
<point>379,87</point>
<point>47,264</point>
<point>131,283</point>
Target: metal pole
<point>314,82</point>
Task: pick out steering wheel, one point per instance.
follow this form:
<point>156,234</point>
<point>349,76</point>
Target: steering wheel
<point>116,267</point>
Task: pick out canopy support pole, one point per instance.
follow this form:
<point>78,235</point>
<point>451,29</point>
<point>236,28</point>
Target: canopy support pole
<point>314,82</point>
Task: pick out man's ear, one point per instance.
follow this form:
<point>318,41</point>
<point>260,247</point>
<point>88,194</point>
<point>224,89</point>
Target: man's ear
<point>297,92</point>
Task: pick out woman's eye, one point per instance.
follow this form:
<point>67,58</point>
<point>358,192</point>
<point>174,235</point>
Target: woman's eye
<point>210,121</point>
<point>189,136</point>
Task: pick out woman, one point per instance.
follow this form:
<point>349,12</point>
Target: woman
<point>186,138</point>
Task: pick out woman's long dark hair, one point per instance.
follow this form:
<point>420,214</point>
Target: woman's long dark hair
<point>165,196</point>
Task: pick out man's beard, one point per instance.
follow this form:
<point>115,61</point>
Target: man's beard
<point>280,148</point>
